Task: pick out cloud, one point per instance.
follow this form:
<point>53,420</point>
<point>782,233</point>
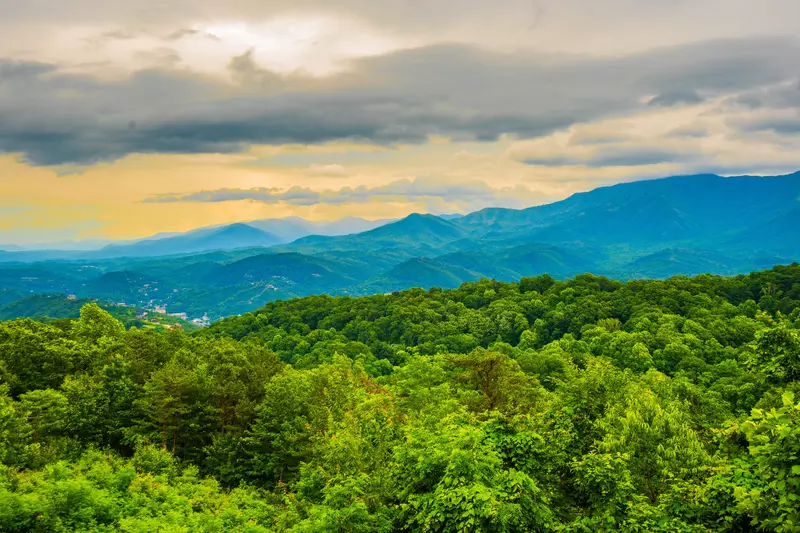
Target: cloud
<point>676,98</point>
<point>778,96</point>
<point>332,169</point>
<point>589,137</point>
<point>617,156</point>
<point>117,35</point>
<point>786,125</point>
<point>474,193</point>
<point>774,109</point>
<point>22,71</point>
<point>566,26</point>
<point>54,117</point>
<point>592,92</point>
<point>690,131</point>
<point>190,32</point>
<point>721,136</point>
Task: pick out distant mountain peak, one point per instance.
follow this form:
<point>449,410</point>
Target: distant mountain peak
<point>240,228</point>
<point>237,225</point>
<point>420,216</point>
<point>420,223</point>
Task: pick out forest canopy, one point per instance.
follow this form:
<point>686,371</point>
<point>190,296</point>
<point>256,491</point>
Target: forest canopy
<point>580,405</point>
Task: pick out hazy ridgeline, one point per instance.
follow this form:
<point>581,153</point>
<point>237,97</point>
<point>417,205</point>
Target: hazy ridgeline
<point>684,225</point>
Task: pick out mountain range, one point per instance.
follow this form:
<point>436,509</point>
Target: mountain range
<point>265,232</point>
<point>654,228</point>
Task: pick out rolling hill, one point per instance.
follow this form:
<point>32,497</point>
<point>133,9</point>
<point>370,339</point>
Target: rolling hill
<point>655,228</point>
<point>649,212</point>
<point>311,273</point>
<point>224,238</point>
<point>219,237</point>
<point>415,235</point>
<point>292,228</point>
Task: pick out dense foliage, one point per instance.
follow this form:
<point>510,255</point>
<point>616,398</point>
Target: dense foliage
<point>585,405</point>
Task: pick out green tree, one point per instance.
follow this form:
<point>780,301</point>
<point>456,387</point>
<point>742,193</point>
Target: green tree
<point>774,438</point>
<point>777,353</point>
<point>170,402</point>
<point>36,356</point>
<point>656,437</point>
<point>15,431</point>
<point>497,382</point>
<point>96,323</point>
<point>453,479</point>
<point>46,411</point>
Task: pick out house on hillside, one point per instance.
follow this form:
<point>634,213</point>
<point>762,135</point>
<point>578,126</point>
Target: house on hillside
<point>202,322</point>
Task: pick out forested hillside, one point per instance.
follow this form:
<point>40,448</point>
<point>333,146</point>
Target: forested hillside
<point>682,225</point>
<point>581,405</point>
<point>54,307</point>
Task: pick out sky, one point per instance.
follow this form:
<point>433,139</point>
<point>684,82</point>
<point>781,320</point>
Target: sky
<point>122,119</point>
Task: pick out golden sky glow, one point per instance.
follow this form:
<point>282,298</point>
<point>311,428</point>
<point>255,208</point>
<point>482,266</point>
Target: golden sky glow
<point>120,120</point>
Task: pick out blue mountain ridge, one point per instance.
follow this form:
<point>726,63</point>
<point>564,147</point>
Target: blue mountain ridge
<point>653,228</point>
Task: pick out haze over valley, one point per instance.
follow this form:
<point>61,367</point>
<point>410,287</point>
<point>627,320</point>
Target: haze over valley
<point>684,225</point>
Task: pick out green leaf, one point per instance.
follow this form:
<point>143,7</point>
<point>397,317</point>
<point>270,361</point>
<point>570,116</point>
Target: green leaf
<point>788,398</point>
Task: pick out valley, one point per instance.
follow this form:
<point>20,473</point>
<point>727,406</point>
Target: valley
<point>684,225</point>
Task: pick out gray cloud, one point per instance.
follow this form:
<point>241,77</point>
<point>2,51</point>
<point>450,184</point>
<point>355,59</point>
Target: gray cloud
<point>783,125</point>
<point>54,117</point>
<point>625,156</point>
<point>18,71</point>
<point>673,99</point>
<point>774,108</point>
<point>633,156</point>
<point>474,193</point>
<point>187,32</point>
<point>118,35</point>
<point>694,131</point>
<point>782,96</point>
<point>593,139</point>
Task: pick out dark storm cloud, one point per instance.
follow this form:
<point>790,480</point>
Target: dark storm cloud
<point>54,118</point>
